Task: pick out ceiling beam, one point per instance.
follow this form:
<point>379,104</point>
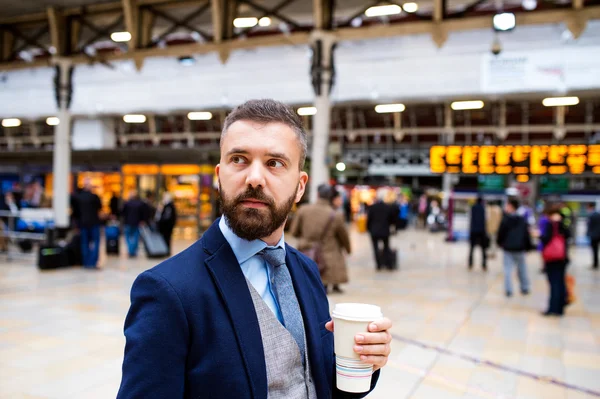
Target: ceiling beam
<point>130,11</point>
<point>8,42</point>
<point>147,19</point>
<point>56,24</point>
<point>323,14</point>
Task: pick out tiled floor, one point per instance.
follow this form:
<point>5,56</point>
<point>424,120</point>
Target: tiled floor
<point>456,335</point>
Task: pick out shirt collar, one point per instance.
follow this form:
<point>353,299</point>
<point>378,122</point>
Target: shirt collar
<point>244,249</point>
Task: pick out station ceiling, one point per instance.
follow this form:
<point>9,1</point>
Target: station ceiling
<point>36,33</point>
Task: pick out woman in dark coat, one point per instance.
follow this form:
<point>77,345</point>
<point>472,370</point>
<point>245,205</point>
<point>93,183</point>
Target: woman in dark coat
<point>166,217</point>
<point>555,269</point>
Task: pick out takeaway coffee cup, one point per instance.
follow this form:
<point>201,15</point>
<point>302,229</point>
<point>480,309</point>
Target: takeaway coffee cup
<point>350,319</point>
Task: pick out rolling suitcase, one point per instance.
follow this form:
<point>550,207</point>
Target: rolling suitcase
<point>112,234</point>
<point>153,243</point>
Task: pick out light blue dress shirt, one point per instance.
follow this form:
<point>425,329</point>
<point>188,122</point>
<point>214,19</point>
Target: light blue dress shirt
<point>255,268</point>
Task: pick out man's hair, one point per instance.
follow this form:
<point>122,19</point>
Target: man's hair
<point>324,191</point>
<point>267,111</point>
<point>514,203</point>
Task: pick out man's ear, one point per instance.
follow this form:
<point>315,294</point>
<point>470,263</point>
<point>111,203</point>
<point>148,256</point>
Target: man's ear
<point>217,169</point>
<point>301,186</point>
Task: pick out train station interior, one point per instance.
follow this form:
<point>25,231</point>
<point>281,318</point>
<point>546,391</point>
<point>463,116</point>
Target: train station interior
<point>466,122</point>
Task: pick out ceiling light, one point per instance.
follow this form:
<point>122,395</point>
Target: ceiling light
<point>463,105</point>
<point>52,121</point>
<point>340,166</point>
<point>187,60</point>
<point>529,5</point>
<point>304,111</point>
<point>134,118</point>
<point>560,101</point>
<point>504,21</point>
<point>247,22</point>
<point>384,108</point>
<point>264,21</point>
<point>411,7</point>
<point>120,37</point>
<point>379,11</point>
<point>200,116</point>
<point>11,122</point>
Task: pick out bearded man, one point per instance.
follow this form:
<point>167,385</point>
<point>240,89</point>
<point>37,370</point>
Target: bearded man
<point>240,314</point>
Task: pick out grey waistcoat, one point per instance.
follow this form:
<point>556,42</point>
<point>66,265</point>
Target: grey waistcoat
<point>286,376</point>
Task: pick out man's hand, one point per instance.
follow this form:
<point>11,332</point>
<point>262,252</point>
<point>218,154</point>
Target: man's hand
<point>373,346</point>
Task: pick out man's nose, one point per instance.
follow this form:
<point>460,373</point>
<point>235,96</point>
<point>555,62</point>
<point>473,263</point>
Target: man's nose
<point>256,174</point>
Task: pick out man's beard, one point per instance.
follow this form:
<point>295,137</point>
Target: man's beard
<point>252,223</point>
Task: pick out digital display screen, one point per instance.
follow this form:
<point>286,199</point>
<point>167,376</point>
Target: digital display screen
<point>518,159</point>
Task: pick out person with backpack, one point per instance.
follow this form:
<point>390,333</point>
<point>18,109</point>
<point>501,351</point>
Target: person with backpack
<point>554,239</point>
<point>513,237</point>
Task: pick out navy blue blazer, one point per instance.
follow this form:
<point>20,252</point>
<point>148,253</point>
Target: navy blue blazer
<point>192,331</point>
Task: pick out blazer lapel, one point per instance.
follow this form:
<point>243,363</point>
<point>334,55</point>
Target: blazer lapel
<point>311,323</point>
<point>231,283</point>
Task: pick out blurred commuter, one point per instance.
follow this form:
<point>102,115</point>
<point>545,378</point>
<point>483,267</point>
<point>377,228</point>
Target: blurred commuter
<point>115,206</point>
<point>403,213</point>
<point>514,239</point>
<point>593,232</point>
<point>493,217</point>
<point>568,217</point>
<point>347,208</point>
<point>477,233</point>
<point>554,239</point>
<point>380,216</point>
<point>150,205</point>
<point>135,214</point>
<point>321,225</point>
<point>166,217</point>
<point>86,211</point>
<point>423,211</point>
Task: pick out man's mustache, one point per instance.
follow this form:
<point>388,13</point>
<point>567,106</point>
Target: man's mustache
<point>257,194</point>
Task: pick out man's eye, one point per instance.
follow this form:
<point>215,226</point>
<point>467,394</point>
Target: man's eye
<point>273,163</point>
<point>237,159</point>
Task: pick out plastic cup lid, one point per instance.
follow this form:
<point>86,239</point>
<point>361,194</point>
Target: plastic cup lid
<point>357,312</point>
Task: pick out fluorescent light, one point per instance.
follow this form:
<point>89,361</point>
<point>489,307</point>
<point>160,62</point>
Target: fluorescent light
<point>560,101</point>
<point>247,22</point>
<point>264,21</point>
<point>463,105</point>
<point>134,118</point>
<point>304,111</point>
<point>11,122</point>
<point>410,7</point>
<point>384,108</point>
<point>199,116</point>
<point>52,121</point>
<point>379,11</point>
<point>120,37</point>
<point>340,166</point>
<point>529,5</point>
<point>505,21</point>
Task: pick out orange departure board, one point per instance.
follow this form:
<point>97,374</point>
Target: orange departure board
<point>518,159</point>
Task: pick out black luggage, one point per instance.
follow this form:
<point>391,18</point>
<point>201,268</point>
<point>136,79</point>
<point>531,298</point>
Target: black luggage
<point>52,257</point>
<point>112,234</point>
<point>74,255</point>
<point>389,260</point>
<point>153,243</point>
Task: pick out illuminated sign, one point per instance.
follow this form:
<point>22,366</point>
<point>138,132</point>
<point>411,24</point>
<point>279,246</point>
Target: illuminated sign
<point>517,159</point>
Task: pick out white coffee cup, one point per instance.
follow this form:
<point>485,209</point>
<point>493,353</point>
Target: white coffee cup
<point>350,319</point>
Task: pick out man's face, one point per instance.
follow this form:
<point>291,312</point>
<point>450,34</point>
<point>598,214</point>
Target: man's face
<point>259,179</point>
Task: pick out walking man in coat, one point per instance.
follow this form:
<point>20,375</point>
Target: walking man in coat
<point>380,217</point>
<point>593,232</point>
<point>135,213</point>
<point>514,239</point>
<point>240,314</point>
<point>320,224</point>
<point>166,217</point>
<point>477,234</point>
<point>87,207</point>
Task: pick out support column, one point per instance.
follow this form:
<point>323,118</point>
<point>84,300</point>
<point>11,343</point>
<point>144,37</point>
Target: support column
<point>449,140</point>
<point>322,74</point>
<point>61,166</point>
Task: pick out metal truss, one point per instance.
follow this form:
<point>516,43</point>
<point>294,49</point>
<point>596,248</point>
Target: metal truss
<point>58,32</point>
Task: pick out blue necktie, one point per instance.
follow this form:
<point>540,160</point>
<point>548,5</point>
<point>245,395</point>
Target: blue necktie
<point>284,290</point>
